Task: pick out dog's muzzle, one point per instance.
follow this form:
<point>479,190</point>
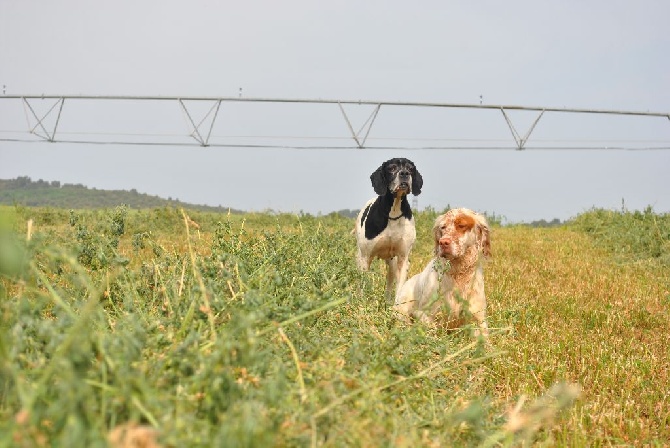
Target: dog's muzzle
<point>404,179</point>
<point>403,186</point>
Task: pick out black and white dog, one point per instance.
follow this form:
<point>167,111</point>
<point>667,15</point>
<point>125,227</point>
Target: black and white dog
<point>385,226</point>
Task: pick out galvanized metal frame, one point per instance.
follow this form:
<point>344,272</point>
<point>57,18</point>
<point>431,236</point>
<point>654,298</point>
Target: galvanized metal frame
<point>360,137</point>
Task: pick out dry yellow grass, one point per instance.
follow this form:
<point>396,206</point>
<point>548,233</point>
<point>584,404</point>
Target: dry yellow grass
<point>569,312</point>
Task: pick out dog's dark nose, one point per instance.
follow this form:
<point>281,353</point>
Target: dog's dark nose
<point>445,241</point>
<point>404,174</point>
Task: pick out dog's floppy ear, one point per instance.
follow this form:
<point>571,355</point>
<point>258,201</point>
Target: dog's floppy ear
<point>378,179</point>
<point>483,235</point>
<point>437,233</point>
<point>417,182</point>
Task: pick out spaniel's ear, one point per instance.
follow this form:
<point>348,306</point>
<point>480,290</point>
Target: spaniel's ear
<point>483,235</point>
<point>417,182</point>
<point>378,179</point>
<point>437,233</point>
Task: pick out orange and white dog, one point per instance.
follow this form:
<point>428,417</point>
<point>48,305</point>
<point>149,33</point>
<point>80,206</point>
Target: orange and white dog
<point>451,287</point>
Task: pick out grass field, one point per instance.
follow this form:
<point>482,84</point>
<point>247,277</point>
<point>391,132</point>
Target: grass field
<point>257,330</point>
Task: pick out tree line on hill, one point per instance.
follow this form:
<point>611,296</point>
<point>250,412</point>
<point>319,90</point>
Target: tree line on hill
<point>24,191</point>
<point>40,193</point>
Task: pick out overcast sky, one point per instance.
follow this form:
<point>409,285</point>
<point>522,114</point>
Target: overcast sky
<point>600,54</point>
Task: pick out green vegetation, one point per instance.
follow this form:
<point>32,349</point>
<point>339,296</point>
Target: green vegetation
<point>257,330</point>
<point>629,235</point>
<point>26,192</point>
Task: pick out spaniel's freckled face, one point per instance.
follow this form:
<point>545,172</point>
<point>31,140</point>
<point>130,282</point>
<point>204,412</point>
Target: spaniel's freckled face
<point>454,233</point>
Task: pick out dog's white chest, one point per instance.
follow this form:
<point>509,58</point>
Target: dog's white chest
<point>397,239</point>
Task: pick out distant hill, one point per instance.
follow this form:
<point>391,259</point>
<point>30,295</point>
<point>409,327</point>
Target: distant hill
<point>26,192</point>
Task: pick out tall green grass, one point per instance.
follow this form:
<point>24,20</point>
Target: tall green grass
<point>258,330</point>
<point>638,235</point>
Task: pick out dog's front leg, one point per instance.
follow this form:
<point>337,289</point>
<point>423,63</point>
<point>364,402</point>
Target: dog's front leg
<point>477,306</point>
<point>391,278</point>
<point>362,261</point>
<point>424,317</point>
<point>482,328</point>
<point>402,270</point>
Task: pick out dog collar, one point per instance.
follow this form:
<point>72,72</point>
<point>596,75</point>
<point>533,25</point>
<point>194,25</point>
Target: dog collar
<point>395,219</point>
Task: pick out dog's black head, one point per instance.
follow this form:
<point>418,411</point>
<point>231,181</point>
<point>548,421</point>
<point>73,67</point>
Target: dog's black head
<point>399,176</point>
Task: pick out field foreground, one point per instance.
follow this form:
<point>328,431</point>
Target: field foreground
<point>257,330</point>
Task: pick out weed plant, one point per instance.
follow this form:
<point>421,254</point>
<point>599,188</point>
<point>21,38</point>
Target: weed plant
<point>258,330</point>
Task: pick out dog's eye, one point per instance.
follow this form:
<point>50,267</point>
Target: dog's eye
<point>392,168</point>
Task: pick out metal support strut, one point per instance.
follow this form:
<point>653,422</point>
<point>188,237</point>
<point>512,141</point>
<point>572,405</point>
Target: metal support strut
<point>368,123</point>
<point>520,142</point>
<point>195,133</point>
<point>45,134</point>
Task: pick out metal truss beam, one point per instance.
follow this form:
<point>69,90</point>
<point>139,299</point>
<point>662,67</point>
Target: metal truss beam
<point>201,130</point>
